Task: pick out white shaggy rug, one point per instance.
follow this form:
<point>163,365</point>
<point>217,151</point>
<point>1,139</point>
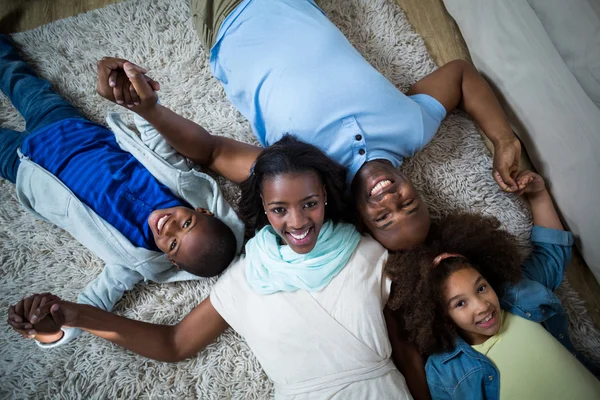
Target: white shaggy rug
<point>453,172</point>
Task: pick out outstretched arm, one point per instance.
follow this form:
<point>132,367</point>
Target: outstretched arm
<point>120,80</point>
<point>160,342</point>
<point>226,157</point>
<point>459,84</point>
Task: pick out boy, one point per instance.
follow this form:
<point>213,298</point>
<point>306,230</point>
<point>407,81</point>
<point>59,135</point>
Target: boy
<point>112,192</point>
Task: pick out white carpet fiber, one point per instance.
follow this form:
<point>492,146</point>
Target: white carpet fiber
<point>453,172</point>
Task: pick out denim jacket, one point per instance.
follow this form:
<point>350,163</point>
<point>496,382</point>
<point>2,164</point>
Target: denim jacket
<point>466,374</point>
<point>126,265</point>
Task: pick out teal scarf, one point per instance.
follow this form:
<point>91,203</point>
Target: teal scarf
<point>272,267</point>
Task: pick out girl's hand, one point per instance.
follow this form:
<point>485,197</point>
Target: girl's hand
<point>529,182</point>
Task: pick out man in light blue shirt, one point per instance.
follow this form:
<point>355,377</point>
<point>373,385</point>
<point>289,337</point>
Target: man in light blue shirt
<point>288,69</point>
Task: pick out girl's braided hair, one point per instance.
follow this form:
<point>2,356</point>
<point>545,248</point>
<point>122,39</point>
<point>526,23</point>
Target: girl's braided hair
<point>417,288</point>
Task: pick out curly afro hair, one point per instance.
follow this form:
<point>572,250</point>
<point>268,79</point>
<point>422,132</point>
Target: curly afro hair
<point>417,287</point>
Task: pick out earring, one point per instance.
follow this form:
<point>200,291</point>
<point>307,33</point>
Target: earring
<point>265,213</point>
<point>325,203</point>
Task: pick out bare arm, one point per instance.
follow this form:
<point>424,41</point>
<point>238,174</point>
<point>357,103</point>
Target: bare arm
<point>542,207</point>
<point>227,157</point>
<point>459,84</point>
<point>160,342</point>
<point>120,80</point>
<point>408,360</point>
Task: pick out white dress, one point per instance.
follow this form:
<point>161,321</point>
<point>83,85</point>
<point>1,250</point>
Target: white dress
<point>330,344</point>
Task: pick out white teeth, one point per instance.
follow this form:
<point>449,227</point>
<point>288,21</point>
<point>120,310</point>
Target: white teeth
<point>161,222</point>
<point>300,237</point>
<point>486,319</point>
<point>380,186</point>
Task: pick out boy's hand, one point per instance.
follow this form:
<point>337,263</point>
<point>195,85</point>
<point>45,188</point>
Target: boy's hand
<point>114,85</point>
<point>20,318</point>
<point>529,182</point>
<point>506,164</point>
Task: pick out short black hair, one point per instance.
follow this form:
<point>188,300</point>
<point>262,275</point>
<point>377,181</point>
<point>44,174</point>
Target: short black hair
<point>217,253</point>
<point>290,156</point>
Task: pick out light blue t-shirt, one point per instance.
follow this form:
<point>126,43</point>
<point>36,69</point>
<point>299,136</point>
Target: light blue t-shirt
<point>288,69</point>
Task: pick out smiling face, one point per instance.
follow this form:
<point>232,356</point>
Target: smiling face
<point>179,231</point>
<point>389,206</point>
<point>472,304</point>
<point>295,207</point>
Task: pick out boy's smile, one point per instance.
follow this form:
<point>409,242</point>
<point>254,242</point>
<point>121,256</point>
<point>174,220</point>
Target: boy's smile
<point>178,231</point>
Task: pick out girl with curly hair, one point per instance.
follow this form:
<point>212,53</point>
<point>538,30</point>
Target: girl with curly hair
<point>469,299</point>
<point>307,296</point>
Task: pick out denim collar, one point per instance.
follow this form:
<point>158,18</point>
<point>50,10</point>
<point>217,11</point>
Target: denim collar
<point>461,346</point>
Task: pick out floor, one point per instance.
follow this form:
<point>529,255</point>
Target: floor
<point>429,18</point>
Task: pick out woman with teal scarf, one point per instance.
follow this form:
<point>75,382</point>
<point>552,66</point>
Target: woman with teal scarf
<point>308,295</point>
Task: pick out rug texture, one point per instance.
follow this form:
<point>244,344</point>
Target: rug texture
<point>453,172</point>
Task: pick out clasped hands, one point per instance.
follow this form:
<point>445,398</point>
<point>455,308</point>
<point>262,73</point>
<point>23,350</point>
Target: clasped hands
<point>41,317</point>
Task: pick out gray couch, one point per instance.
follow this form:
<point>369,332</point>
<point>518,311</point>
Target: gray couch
<point>543,58</point>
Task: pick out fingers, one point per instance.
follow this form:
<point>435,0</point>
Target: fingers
<point>35,303</point>
<point>500,181</point>
<point>16,311</point>
<point>138,80</point>
<point>48,298</point>
<point>505,174</point>
<point>118,89</point>
<point>26,306</point>
<point>153,84</point>
<point>41,312</point>
<point>126,94</point>
<point>57,315</point>
<point>111,63</point>
<point>108,65</point>
<point>134,96</point>
<point>106,68</point>
<point>16,321</point>
<point>112,78</point>
<point>25,330</point>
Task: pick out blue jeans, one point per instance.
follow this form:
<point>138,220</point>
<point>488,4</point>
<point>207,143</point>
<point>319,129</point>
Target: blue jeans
<point>33,97</point>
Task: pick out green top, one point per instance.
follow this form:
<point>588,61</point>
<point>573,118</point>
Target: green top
<point>534,365</point>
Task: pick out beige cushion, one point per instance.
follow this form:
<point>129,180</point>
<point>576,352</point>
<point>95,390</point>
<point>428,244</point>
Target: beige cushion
<point>554,117</point>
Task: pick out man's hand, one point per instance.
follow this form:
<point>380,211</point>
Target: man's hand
<point>21,314</point>
<point>529,182</point>
<point>506,163</point>
<point>115,85</point>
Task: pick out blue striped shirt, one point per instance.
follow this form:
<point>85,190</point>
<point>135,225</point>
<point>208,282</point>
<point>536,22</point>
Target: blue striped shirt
<point>86,157</point>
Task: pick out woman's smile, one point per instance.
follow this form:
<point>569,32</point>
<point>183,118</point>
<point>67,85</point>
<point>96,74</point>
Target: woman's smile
<point>295,206</point>
<point>301,238</point>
